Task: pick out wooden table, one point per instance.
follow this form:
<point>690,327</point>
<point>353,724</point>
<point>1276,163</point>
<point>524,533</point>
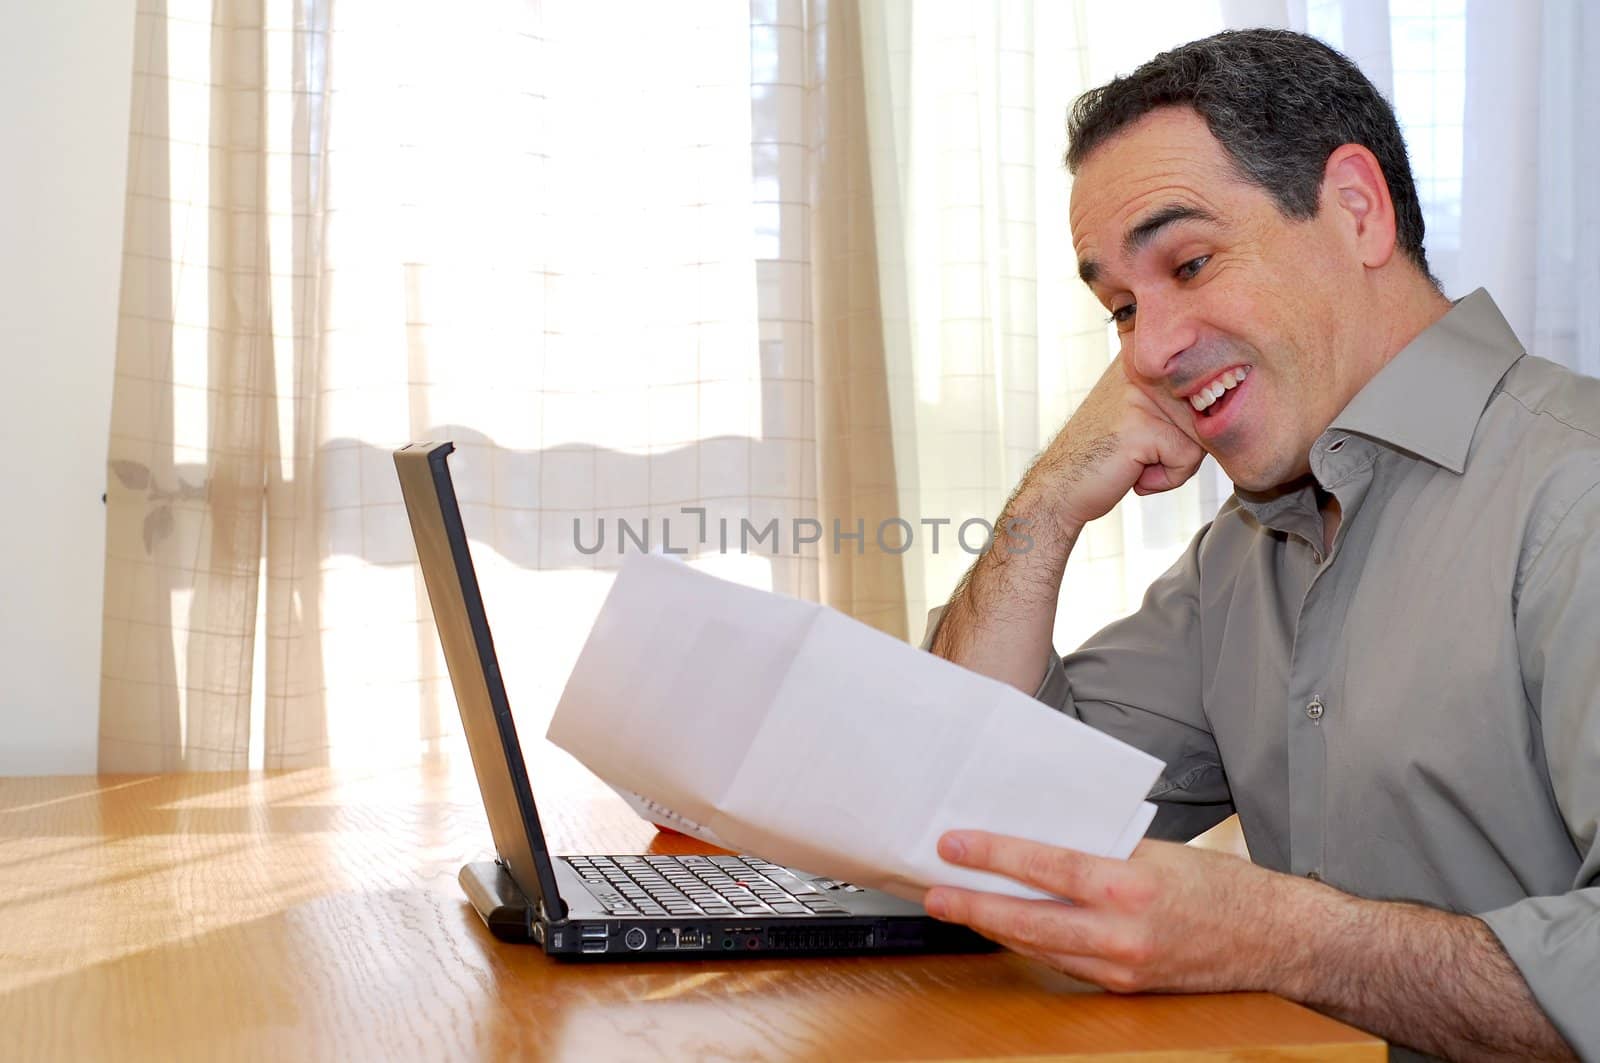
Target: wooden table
<point>315,915</point>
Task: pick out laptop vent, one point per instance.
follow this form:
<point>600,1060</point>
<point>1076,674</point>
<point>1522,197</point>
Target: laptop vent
<point>820,938</point>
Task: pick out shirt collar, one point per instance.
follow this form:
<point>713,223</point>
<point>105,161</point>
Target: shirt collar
<point>1429,397</point>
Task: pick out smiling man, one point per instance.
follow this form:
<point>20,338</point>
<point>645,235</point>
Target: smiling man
<point>1381,652</point>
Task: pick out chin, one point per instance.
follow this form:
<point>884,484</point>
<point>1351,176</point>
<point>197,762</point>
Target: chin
<point>1258,477</point>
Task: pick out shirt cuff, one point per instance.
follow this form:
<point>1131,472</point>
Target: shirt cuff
<point>1554,942</point>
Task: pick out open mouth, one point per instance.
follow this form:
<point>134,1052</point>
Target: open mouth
<point>1218,406</point>
<point>1215,396</point>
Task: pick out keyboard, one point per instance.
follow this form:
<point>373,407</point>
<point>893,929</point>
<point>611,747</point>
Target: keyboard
<point>705,885</point>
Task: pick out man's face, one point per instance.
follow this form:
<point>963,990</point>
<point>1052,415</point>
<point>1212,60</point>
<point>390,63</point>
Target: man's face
<point>1208,283</point>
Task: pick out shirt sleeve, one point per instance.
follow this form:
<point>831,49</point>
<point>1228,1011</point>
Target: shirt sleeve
<point>1138,679</point>
<point>1555,941</point>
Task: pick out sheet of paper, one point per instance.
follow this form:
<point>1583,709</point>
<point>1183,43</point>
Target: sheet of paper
<point>788,730</point>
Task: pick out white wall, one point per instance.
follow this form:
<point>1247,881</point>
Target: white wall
<point>65,76</point>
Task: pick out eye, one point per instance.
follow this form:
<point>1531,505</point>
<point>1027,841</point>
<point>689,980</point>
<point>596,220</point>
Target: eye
<point>1122,315</point>
<point>1190,268</point>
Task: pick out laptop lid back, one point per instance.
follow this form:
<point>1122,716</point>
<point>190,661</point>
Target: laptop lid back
<point>463,625</point>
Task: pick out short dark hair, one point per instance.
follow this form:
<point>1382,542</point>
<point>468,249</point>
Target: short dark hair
<point>1278,102</point>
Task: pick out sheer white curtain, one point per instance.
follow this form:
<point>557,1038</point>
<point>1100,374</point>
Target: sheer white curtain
<point>1500,105</point>
<point>779,261</point>
<point>571,237</point>
<point>991,339</point>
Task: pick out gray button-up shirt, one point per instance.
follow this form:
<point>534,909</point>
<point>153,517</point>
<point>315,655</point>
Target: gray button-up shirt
<point>1415,715</point>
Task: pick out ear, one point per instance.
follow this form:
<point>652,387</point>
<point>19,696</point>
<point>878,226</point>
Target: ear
<point>1353,186</point>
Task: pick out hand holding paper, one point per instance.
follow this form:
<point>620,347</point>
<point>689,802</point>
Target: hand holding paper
<point>788,730</point>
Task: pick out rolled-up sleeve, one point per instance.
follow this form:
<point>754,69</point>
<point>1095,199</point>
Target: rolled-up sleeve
<point>1555,941</point>
<point>1138,679</point>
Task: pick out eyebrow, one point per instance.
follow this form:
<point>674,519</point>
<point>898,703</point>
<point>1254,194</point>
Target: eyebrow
<point>1142,232</point>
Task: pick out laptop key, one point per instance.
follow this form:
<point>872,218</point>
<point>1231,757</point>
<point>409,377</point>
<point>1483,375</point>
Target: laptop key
<point>789,883</point>
<point>790,908</point>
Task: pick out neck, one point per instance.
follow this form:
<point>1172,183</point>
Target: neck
<point>1403,308</point>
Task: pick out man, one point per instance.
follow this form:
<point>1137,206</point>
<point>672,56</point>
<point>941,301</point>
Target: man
<point>1381,652</point>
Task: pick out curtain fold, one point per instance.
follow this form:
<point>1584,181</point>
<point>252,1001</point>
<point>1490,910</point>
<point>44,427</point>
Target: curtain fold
<point>191,406</point>
<point>862,572</point>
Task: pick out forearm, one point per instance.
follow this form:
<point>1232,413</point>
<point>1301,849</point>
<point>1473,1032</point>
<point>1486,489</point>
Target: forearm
<point>1420,977</point>
<point>1000,618</point>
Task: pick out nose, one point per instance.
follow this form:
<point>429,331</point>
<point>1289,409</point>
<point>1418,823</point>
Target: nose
<point>1162,331</point>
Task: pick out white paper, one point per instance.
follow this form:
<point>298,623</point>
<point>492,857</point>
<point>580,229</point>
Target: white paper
<point>788,730</point>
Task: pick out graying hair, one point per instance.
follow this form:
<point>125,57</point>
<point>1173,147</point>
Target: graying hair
<point>1279,103</point>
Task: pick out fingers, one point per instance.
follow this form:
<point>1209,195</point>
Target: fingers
<point>1026,926</point>
<point>1065,873</point>
<point>1176,459</point>
<point>1158,478</point>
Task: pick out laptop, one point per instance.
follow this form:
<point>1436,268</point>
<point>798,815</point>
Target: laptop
<point>617,906</point>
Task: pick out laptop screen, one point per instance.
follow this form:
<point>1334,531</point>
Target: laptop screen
<point>463,625</point>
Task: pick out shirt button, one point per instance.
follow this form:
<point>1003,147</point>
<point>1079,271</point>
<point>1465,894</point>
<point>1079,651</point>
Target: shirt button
<point>1314,708</point>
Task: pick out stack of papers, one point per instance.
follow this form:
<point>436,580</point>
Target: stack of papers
<point>785,729</point>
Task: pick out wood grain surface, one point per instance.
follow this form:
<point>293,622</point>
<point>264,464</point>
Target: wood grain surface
<point>315,915</point>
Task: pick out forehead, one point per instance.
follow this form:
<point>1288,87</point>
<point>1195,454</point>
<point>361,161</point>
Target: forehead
<point>1168,157</point>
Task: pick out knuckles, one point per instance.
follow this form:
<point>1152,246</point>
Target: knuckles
<point>1051,869</point>
<point>1135,892</point>
<point>1134,950</point>
<point>1029,927</point>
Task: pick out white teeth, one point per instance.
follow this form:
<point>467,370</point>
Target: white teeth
<point>1209,394</point>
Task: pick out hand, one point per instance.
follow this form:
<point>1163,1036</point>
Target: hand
<point>1118,440</point>
<point>1169,918</point>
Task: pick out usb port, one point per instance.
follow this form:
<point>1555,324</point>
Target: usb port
<point>595,932</point>
<point>689,938</point>
<point>594,944</point>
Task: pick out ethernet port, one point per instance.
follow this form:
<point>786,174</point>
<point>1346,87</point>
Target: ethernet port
<point>666,938</point>
<point>689,938</point>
